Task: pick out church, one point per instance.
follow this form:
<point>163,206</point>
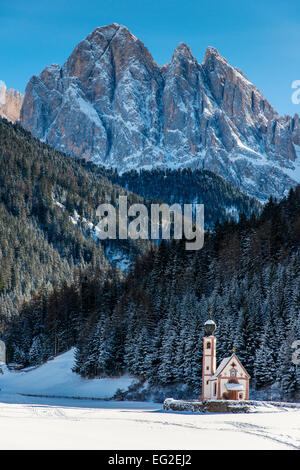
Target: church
<point>230,381</point>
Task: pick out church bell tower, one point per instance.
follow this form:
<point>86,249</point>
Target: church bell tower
<point>209,360</point>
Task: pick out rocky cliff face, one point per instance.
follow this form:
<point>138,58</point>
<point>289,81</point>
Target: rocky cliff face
<point>10,103</point>
<point>112,104</point>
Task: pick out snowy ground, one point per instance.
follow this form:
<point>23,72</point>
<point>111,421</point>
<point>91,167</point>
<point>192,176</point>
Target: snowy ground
<point>66,423</point>
<point>75,424</point>
<point>56,378</point>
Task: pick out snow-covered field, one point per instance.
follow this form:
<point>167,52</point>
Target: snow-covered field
<point>72,424</point>
<point>67,423</point>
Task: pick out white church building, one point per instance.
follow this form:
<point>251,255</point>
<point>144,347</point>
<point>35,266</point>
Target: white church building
<point>230,381</point>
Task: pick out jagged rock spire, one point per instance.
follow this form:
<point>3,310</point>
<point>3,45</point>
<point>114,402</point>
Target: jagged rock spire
<point>111,103</point>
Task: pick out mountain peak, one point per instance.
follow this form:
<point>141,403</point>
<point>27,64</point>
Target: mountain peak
<point>112,104</point>
<point>213,54</point>
<point>2,92</point>
<point>105,29</point>
<point>210,50</point>
<point>183,50</point>
<point>10,103</point>
<point>111,30</point>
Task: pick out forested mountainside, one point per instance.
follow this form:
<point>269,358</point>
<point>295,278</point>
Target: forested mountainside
<point>151,323</point>
<point>48,202</point>
<point>221,199</point>
<point>47,211</point>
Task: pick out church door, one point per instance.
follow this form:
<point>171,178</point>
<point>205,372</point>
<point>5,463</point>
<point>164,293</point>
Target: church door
<point>232,395</point>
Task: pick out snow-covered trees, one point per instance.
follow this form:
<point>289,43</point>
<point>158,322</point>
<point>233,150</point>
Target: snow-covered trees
<point>150,323</point>
<point>122,331</point>
<point>40,240</point>
<point>254,303</point>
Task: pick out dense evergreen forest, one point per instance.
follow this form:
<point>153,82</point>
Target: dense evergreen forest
<point>47,205</point>
<point>150,324</point>
<point>221,199</point>
<point>47,211</point>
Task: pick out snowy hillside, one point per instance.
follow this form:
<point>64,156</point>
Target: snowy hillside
<point>56,378</point>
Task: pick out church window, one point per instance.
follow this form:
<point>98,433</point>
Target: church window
<point>215,388</point>
<point>207,367</point>
<point>233,381</point>
<point>208,346</point>
<point>232,372</point>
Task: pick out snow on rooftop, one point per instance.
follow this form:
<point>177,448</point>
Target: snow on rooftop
<point>230,386</point>
<point>221,367</point>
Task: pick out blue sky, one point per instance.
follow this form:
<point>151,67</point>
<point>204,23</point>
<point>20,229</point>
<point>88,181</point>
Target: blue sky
<point>262,38</point>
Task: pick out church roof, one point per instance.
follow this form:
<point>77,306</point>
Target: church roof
<point>224,363</point>
<point>221,366</point>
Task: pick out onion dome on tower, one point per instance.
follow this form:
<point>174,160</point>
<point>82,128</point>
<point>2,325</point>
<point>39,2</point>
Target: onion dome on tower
<point>209,327</point>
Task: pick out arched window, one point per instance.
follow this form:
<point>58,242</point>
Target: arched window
<point>215,388</point>
<point>233,381</point>
<point>208,345</point>
<point>232,373</point>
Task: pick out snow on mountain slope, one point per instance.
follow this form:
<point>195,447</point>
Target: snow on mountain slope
<point>112,104</point>
<point>294,171</point>
<point>55,377</point>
